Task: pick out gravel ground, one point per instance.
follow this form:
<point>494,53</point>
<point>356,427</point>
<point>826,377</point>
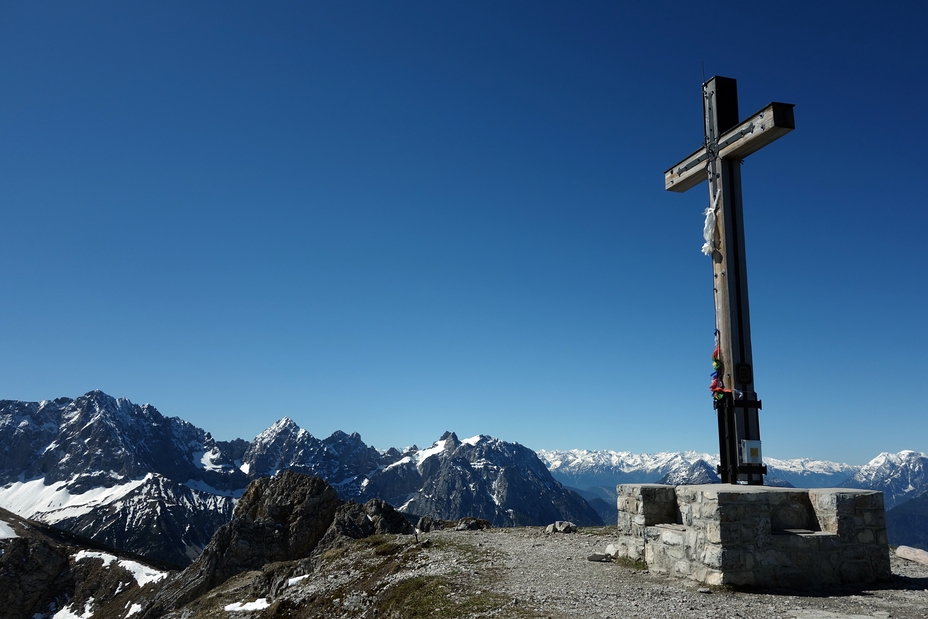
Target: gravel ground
<point>548,575</point>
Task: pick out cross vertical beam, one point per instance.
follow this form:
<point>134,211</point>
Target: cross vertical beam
<point>719,161</point>
<point>730,282</point>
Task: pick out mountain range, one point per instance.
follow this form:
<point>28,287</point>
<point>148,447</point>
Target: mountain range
<point>129,477</point>
<point>125,475</point>
<point>901,476</point>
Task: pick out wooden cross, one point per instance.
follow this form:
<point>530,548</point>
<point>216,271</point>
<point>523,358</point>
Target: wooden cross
<point>727,143</point>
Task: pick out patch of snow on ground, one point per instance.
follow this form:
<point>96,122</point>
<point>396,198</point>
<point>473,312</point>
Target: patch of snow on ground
<point>142,574</point>
<point>90,554</point>
<point>67,613</point>
<point>472,440</point>
<point>53,503</point>
<point>259,604</point>
<point>135,608</point>
<point>6,531</point>
<point>296,580</point>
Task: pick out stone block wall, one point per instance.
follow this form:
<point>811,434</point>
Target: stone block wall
<point>755,535</point>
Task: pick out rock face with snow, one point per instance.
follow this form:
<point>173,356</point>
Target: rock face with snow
<point>100,441</point>
<point>154,512</point>
<point>290,517</point>
<point>901,476</point>
<point>45,572</point>
<point>343,459</point>
<point>484,477</point>
<point>278,519</point>
<point>699,472</point>
<point>117,472</point>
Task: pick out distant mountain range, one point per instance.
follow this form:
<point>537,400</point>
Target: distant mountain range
<point>901,477</point>
<point>584,468</point>
<point>127,476</point>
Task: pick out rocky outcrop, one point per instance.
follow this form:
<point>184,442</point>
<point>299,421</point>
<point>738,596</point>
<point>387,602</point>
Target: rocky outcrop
<point>45,572</point>
<point>30,569</point>
<point>278,519</point>
<point>354,521</point>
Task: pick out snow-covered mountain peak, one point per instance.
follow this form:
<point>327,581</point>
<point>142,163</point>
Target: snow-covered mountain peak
<point>901,476</point>
<point>281,425</point>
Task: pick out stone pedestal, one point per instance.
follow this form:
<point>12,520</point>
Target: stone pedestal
<point>761,536</point>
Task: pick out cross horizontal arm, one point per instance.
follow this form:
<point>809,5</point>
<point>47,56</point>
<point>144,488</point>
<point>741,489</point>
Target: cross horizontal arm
<point>767,125</point>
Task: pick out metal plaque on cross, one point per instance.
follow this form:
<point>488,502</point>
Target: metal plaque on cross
<point>727,142</point>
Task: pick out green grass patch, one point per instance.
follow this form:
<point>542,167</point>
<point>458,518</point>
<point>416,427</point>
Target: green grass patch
<point>437,597</point>
<point>634,564</point>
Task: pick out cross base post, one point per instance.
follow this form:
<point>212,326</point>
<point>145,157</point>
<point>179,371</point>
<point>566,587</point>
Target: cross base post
<point>734,414</point>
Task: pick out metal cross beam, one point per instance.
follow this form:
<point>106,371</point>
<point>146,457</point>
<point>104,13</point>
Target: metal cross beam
<point>727,143</point>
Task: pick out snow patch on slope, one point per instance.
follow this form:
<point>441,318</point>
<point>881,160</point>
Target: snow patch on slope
<point>436,448</point>
<point>142,574</point>
<point>33,499</point>
<point>206,460</point>
<point>259,604</point>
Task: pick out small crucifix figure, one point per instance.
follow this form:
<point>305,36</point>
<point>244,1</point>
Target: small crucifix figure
<point>727,143</point>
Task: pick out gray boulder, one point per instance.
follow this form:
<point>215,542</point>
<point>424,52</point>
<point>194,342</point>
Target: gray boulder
<point>561,526</point>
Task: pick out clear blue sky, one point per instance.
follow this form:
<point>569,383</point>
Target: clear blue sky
<point>405,218</point>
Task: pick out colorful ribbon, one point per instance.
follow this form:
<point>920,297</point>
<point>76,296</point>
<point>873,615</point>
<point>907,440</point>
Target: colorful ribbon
<point>717,387</point>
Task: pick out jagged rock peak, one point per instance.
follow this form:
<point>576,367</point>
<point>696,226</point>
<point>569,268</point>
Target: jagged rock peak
<point>283,424</point>
<point>338,435</point>
<point>280,518</point>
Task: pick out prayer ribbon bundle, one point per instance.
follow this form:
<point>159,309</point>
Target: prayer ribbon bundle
<point>717,387</point>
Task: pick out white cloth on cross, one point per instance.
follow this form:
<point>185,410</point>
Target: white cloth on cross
<point>709,231</point>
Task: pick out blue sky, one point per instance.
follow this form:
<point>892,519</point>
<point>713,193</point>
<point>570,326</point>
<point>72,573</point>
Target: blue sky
<point>405,218</point>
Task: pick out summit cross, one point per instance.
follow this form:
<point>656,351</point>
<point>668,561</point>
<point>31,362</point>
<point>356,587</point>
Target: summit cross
<point>727,143</point>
